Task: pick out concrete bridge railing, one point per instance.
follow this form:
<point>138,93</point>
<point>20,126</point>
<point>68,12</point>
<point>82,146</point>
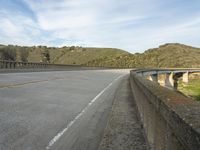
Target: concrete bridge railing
<point>171,121</point>
<point>4,64</point>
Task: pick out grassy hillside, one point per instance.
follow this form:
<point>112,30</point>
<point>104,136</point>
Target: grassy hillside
<point>75,55</point>
<point>64,55</point>
<point>173,55</point>
<point>168,55</point>
<point>83,55</point>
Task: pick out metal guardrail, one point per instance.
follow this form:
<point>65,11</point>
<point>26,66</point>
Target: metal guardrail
<point>171,121</point>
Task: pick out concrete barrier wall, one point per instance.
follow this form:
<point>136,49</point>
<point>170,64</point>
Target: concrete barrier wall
<point>4,64</point>
<point>170,120</point>
<point>14,66</point>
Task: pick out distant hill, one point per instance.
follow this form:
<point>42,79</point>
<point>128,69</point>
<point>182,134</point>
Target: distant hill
<point>172,55</point>
<point>167,55</point>
<point>64,55</point>
<point>79,55</point>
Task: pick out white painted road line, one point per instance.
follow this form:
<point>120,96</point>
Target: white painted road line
<point>59,135</point>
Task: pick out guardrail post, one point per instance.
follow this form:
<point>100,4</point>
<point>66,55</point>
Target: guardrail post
<point>6,64</point>
<point>22,65</point>
<point>3,64</point>
<point>9,65</point>
<point>14,65</point>
<point>28,65</point>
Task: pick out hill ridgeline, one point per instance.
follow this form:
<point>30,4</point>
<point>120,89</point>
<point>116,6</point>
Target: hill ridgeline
<point>167,55</point>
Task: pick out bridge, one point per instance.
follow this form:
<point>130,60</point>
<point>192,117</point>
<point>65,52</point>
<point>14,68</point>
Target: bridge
<point>170,120</point>
<point>49,106</point>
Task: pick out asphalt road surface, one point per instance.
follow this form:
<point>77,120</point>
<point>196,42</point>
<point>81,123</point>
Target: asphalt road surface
<point>61,110</point>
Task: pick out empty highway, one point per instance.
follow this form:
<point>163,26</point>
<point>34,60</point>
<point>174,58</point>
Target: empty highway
<point>58,110</point>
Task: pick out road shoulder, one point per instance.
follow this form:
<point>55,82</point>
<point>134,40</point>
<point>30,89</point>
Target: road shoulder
<point>123,130</point>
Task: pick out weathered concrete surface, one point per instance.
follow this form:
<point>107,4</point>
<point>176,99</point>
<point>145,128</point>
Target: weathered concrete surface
<point>171,120</point>
<point>186,77</point>
<point>123,131</point>
<point>36,108</point>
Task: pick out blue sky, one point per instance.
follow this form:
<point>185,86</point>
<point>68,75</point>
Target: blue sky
<point>132,25</point>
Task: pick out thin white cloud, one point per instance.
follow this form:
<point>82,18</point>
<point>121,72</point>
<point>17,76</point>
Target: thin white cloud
<point>130,24</point>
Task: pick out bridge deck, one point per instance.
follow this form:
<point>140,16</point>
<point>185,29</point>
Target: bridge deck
<point>56,110</point>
